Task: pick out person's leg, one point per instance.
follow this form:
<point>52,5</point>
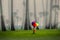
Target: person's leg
<point>34,30</point>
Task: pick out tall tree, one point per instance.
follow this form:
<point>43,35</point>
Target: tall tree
<point>27,19</point>
<point>35,11</point>
<point>50,16</point>
<point>12,21</point>
<point>46,16</point>
<point>55,7</point>
<point>2,19</point>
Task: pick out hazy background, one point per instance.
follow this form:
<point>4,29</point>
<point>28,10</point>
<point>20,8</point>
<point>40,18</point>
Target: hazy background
<point>19,13</point>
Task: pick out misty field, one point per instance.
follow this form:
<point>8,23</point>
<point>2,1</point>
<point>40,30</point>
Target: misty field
<point>46,34</point>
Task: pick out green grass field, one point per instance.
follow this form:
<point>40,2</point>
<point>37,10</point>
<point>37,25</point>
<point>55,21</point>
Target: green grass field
<point>46,34</point>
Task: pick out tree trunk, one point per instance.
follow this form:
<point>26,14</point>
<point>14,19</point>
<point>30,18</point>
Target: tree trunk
<point>2,19</point>
<point>35,12</point>
<point>12,21</point>
<point>27,19</point>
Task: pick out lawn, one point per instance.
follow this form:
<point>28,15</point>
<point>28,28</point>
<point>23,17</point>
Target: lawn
<point>46,34</point>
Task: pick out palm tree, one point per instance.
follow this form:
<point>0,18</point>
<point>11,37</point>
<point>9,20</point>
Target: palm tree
<point>50,16</point>
<point>55,7</point>
<point>35,11</point>
<point>2,19</point>
<point>12,22</point>
<point>46,16</point>
<point>27,19</point>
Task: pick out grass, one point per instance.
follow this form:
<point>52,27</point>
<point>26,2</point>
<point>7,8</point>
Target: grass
<point>46,34</point>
